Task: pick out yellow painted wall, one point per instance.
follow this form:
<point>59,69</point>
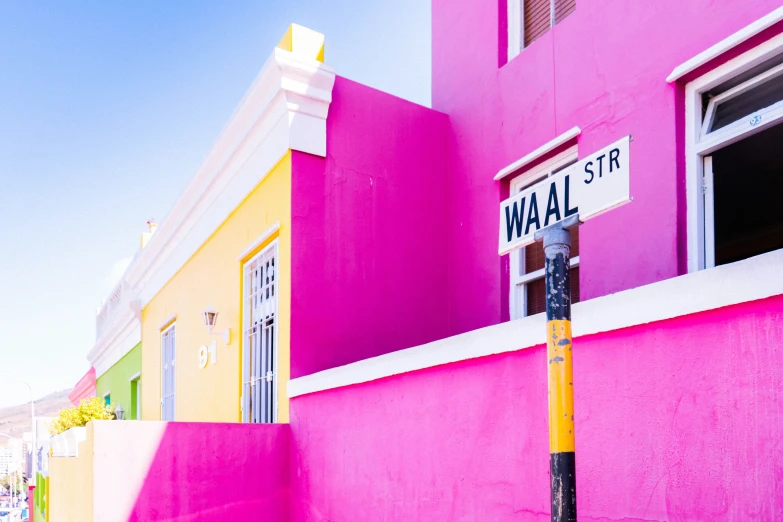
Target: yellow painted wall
<point>70,484</point>
<point>213,277</point>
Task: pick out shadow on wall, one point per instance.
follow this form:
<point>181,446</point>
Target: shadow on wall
<point>195,472</point>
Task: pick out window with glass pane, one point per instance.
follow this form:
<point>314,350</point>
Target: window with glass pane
<point>748,99</point>
<point>259,349</point>
<point>528,291</point>
<point>741,127</point>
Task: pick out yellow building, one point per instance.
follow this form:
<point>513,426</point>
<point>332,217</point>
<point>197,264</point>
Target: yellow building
<point>213,283</point>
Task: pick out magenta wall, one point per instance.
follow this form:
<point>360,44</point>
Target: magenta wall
<point>677,420</point>
<point>84,389</point>
<point>208,471</point>
<point>603,68</point>
<point>368,239</point>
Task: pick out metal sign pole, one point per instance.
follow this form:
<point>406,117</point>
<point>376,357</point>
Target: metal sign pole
<point>560,380</point>
<point>592,186</point>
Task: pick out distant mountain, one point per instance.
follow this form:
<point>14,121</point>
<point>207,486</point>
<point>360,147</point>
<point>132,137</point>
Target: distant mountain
<point>15,420</point>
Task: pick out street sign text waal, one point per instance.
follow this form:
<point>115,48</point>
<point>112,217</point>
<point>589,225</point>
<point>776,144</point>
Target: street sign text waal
<point>592,186</point>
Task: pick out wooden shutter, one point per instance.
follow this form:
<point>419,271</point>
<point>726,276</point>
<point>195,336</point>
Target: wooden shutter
<point>536,297</point>
<point>534,254</point>
<point>534,258</point>
<point>538,19</point>
<point>563,8</point>
<point>536,290</point>
<point>575,296</point>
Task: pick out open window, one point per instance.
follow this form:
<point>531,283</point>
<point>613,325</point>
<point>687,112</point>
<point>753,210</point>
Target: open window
<point>739,161</point>
<point>528,285</point>
<point>737,105</point>
<point>743,184</point>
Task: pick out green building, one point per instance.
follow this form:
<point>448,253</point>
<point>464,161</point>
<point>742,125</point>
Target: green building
<point>120,385</point>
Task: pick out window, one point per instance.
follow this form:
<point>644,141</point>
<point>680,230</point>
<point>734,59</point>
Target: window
<point>735,115</point>
<point>259,345</point>
<point>107,399</point>
<point>743,183</point>
<point>135,408</point>
<point>738,105</point>
<point>168,356</point>
<point>528,286</point>
<point>528,20</point>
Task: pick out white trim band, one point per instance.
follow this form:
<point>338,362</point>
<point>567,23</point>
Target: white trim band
<point>122,335</point>
<point>749,280</point>
<point>135,377</point>
<point>540,151</point>
<point>726,44</point>
<point>164,325</point>
<point>257,242</point>
<point>285,109</point>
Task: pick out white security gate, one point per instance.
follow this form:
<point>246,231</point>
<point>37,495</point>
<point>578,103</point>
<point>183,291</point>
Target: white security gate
<point>259,344</point>
<point>168,354</point>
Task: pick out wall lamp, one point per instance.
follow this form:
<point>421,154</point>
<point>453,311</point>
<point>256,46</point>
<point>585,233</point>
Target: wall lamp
<point>210,319</point>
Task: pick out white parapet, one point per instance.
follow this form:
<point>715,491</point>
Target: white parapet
<point>66,444</point>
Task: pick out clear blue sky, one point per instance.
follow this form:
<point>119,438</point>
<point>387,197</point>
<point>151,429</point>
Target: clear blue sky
<point>106,111</point>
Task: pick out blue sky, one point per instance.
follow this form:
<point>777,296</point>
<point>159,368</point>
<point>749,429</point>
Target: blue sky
<point>106,111</point>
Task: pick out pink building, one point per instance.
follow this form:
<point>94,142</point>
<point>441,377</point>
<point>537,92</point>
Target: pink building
<point>677,335</point>
<point>417,356</point>
<point>84,389</point>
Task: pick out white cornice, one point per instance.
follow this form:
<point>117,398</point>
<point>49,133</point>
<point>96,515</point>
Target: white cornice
<point>284,109</point>
<point>726,44</point>
<point>538,153</point>
<point>266,234</point>
<point>749,280</point>
<point>122,335</point>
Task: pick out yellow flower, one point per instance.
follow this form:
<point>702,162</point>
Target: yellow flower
<point>86,411</point>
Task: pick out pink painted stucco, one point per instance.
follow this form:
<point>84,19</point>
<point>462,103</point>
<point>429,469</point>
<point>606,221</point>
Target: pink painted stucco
<point>204,472</point>
<point>84,389</point>
<point>368,238</point>
<point>676,420</point>
<point>603,68</point>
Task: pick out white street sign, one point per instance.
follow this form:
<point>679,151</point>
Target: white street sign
<point>592,186</point>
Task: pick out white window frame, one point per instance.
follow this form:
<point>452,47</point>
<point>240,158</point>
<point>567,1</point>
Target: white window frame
<point>107,394</point>
<point>518,283</point>
<point>699,143</point>
<point>516,27</point>
<point>247,376</point>
<point>515,20</point>
<point>173,395</point>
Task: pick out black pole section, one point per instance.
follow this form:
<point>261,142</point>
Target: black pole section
<point>562,462</point>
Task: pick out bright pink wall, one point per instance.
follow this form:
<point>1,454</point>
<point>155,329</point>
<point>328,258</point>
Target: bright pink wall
<point>84,389</point>
<point>676,420</point>
<point>603,68</point>
<point>368,238</point>
<point>208,471</point>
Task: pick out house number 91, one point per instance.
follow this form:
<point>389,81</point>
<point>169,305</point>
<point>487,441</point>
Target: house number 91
<point>207,355</point>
